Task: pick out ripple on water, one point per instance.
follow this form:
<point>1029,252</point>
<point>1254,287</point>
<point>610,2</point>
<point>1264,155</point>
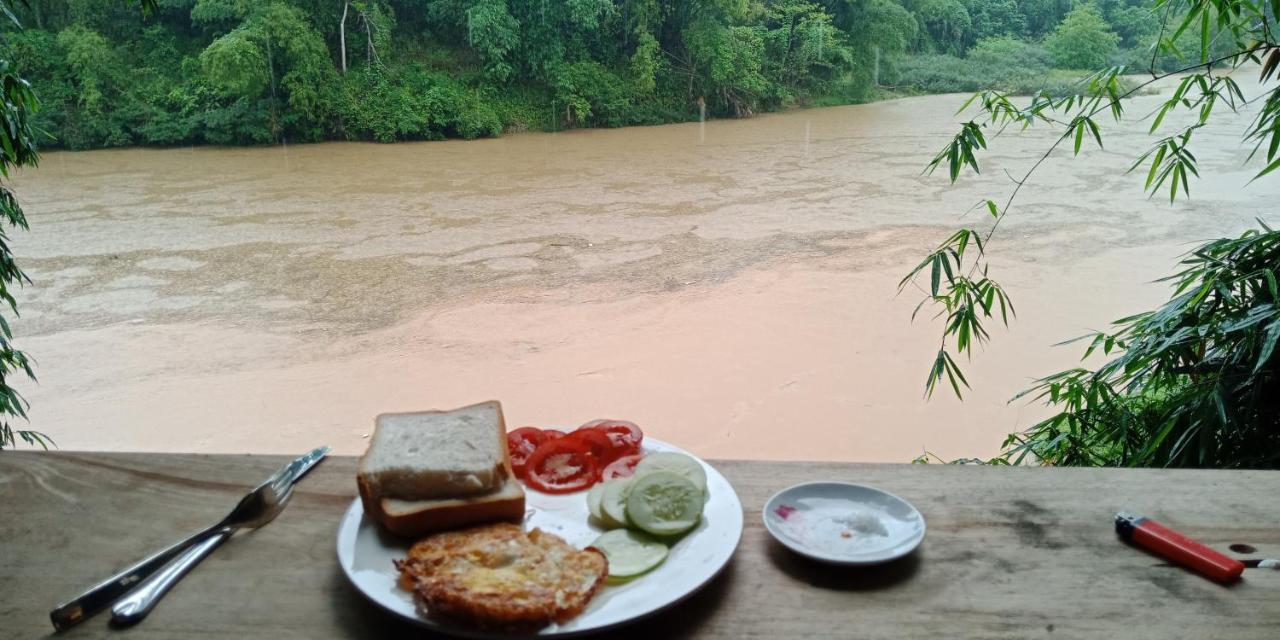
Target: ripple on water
<point>128,301</point>
<point>130,282</point>
<point>170,263</point>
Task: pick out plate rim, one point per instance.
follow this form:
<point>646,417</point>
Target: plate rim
<point>357,507</point>
<point>848,562</point>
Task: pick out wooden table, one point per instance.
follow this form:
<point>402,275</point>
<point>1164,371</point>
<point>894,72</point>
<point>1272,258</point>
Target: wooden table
<point>1010,553</point>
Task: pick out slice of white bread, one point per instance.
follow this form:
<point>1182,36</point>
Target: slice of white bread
<point>436,454</point>
<point>416,518</point>
<point>419,515</point>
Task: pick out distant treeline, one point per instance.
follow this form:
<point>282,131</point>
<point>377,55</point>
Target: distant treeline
<point>259,71</point>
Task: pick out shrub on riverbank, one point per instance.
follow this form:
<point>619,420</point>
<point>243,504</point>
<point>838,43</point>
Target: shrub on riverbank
<point>1002,63</point>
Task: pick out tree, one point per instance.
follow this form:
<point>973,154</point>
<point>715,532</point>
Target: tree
<point>876,29</point>
<point>590,93</point>
<point>275,55</point>
<point>1043,15</point>
<point>799,41</point>
<point>945,24</point>
<point>342,36</point>
<point>1083,40</point>
<point>727,66</point>
<point>95,76</point>
<point>1136,25</point>
<point>494,34</point>
<point>995,18</point>
<point>1200,369</point>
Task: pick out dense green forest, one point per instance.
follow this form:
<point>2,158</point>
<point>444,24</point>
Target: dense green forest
<point>246,72</point>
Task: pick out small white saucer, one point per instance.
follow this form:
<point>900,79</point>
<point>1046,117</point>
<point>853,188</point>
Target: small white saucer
<point>843,523</point>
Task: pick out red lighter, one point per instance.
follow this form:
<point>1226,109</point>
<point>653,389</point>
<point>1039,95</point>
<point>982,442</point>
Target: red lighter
<point>1171,545</point>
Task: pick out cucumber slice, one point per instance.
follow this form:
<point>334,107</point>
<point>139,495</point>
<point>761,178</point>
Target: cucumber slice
<point>594,496</point>
<point>630,553</point>
<point>613,502</point>
<point>664,503</point>
<point>677,463</point>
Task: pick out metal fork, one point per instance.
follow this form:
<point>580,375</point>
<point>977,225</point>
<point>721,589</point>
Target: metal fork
<point>257,508</point>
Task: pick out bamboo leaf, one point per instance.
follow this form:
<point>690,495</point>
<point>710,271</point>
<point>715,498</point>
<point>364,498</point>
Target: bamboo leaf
<point>1268,345</point>
<point>1093,128</point>
<point>1204,36</point>
<point>1160,115</point>
<point>1268,169</point>
<point>1270,66</point>
<point>1155,166</point>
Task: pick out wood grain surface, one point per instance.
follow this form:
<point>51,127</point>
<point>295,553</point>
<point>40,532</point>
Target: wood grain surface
<point>1010,553</point>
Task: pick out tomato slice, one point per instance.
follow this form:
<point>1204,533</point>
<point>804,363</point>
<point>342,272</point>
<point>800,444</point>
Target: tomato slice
<point>521,443</point>
<point>552,434</point>
<point>623,434</point>
<point>563,465</point>
<point>597,444</point>
<point>623,467</point>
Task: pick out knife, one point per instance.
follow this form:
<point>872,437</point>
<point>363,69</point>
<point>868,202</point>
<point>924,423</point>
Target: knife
<point>270,495</point>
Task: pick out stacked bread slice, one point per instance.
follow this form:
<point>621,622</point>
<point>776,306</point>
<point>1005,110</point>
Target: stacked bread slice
<point>435,470</point>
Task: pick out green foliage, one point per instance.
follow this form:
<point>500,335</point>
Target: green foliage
<point>237,63</point>
<point>727,66</point>
<point>882,24</point>
<point>646,63</point>
<point>241,72</point>
<point>17,149</point>
<point>96,81</point>
<point>944,25</point>
<point>591,95</point>
<point>1008,64</point>
<point>275,57</point>
<point>414,104</point>
<point>802,45</point>
<point>493,34</point>
<point>1194,383</point>
<point>995,18</point>
<point>1083,41</point>
<point>214,13</point>
<point>1135,25</point>
<point>1043,15</point>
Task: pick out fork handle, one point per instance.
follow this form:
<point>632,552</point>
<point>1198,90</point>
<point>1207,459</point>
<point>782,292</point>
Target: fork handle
<point>104,593</point>
<point>135,606</point>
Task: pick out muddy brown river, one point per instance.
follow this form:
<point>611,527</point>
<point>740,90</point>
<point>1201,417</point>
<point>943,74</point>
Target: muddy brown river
<point>730,286</point>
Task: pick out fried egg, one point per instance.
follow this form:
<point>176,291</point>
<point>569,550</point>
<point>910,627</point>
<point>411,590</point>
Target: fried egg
<point>497,576</point>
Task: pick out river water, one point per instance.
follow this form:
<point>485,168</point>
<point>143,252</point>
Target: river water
<point>730,286</point>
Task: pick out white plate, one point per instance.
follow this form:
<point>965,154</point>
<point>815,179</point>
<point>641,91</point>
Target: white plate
<point>365,553</point>
<point>843,523</point>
